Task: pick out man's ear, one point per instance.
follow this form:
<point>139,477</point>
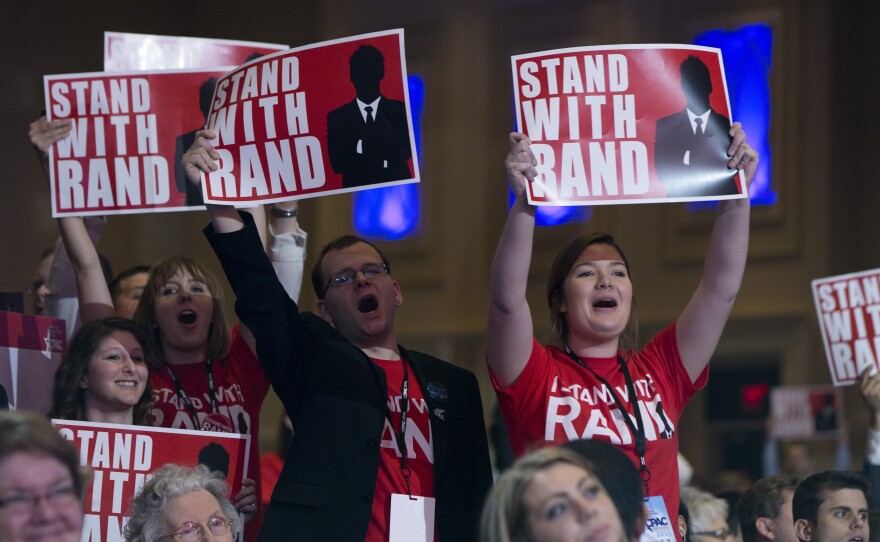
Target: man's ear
<point>804,530</point>
<point>398,295</point>
<point>682,527</point>
<point>765,528</point>
<point>322,310</point>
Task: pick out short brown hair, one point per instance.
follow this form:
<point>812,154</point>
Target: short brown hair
<point>31,433</point>
<point>319,282</point>
<point>763,500</point>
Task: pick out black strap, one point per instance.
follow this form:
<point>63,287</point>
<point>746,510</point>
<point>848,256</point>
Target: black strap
<point>400,438</point>
<point>638,430</point>
<point>209,367</point>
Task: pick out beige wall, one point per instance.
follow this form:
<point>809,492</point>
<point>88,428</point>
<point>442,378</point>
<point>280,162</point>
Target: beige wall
<point>823,224</point>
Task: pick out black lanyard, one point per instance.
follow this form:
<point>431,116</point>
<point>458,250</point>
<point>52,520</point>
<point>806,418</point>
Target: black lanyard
<point>186,400</point>
<point>637,431</point>
<point>400,438</point>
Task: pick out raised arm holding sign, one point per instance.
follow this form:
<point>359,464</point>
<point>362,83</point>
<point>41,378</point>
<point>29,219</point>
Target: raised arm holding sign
<point>320,119</point>
<point>626,124</point>
<point>204,376</point>
<point>552,394</point>
<point>414,466</point>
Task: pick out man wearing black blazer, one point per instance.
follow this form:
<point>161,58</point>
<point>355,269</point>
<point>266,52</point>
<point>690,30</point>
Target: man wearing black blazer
<point>345,461</point>
<point>690,148</point>
<point>368,138</point>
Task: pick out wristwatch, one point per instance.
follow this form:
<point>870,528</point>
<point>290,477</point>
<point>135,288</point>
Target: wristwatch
<point>281,212</point>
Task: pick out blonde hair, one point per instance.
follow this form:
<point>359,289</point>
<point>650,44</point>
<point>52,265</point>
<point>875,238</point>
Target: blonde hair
<point>504,517</point>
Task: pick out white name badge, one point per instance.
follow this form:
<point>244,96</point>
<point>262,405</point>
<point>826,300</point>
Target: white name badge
<point>658,528</point>
<point>412,519</point>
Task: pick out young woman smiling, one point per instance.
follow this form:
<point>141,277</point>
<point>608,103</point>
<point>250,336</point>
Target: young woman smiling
<point>103,376</point>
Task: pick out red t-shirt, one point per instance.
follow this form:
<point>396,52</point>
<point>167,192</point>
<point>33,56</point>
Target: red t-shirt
<point>240,387</point>
<point>419,446</point>
<point>270,469</point>
<point>555,400</point>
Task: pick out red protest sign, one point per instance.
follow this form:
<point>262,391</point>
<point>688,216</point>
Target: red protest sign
<point>30,351</point>
<point>289,125</point>
<point>129,132</point>
<point>806,412</point>
<point>611,124</point>
<point>121,458</point>
<point>848,307</point>
<point>132,52</point>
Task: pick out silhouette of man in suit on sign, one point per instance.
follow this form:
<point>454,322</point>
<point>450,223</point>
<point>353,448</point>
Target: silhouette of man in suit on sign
<point>690,147</point>
<point>368,138</point>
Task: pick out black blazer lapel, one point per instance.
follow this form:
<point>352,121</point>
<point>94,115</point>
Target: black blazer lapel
<point>428,377</point>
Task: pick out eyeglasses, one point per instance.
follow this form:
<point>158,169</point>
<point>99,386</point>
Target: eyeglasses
<point>721,534</point>
<point>24,503</point>
<point>345,276</point>
<point>190,530</point>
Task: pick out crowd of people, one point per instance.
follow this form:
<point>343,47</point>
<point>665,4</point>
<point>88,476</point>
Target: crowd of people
<point>385,436</point>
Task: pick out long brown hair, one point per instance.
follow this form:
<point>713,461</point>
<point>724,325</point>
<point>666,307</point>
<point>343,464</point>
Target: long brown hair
<point>68,398</point>
<point>145,314</point>
<point>562,264</point>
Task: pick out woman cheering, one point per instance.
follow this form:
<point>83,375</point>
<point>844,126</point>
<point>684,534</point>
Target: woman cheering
<point>582,387</point>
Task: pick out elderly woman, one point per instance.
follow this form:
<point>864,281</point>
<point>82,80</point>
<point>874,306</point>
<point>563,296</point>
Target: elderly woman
<point>40,482</point>
<point>554,495</point>
<point>180,502</point>
<point>708,516</point>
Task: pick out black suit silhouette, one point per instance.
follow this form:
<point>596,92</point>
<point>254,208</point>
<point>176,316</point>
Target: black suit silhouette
<point>706,173</point>
<point>692,161</point>
<point>383,144</point>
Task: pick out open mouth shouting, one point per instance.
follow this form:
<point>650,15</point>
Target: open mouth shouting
<point>368,304</point>
<point>605,303</point>
<point>187,317</point>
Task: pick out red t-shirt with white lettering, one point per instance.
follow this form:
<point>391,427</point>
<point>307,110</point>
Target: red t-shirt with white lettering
<point>419,446</point>
<point>555,400</point>
<point>240,387</point>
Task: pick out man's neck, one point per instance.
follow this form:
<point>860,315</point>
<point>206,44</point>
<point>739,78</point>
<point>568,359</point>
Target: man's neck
<point>381,352</point>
